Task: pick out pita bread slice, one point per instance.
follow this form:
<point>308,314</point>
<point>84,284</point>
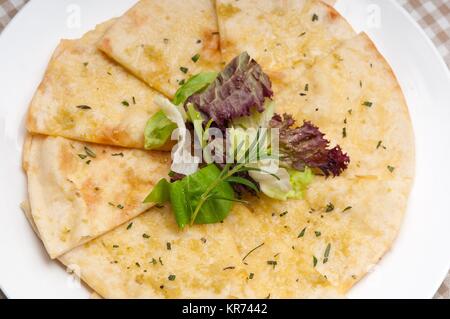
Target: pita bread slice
<point>353,96</point>
<point>164,42</point>
<point>281,34</point>
<point>151,258</point>
<point>79,191</point>
<point>358,219</point>
<point>87,97</point>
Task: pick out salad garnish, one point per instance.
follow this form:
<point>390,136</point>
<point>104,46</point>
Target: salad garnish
<point>241,146</point>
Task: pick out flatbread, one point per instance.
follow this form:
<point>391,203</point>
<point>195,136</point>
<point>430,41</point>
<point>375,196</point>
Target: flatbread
<point>378,138</point>
<point>135,261</point>
<point>358,213</point>
<point>74,199</point>
<point>156,40</point>
<point>280,35</point>
<point>87,97</point>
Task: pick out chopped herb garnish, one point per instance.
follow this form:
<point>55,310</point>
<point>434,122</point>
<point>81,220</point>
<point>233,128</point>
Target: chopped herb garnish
<point>347,208</point>
<point>88,162</point>
<point>115,246</point>
<point>327,253</point>
<point>329,207</point>
<point>302,34</point>
<point>318,233</point>
<point>154,262</point>
<point>145,235</point>
<point>182,82</point>
<point>172,277</point>
<point>272,263</point>
<point>379,144</point>
<point>125,103</point>
<point>84,107</point>
<point>306,87</point>
<point>134,100</point>
<point>184,69</point>
<point>117,154</point>
<point>196,57</point>
<point>344,132</point>
<point>120,206</point>
<point>82,156</point>
<point>350,111</point>
<point>199,41</point>
<point>283,213</point>
<point>90,152</point>
<point>111,204</point>
<point>129,225</point>
<point>314,261</point>
<point>302,233</point>
<point>169,246</point>
<point>367,103</point>
<point>252,251</point>
<point>137,264</point>
<point>315,17</point>
<point>391,168</point>
<point>229,268</point>
<point>203,240</point>
<point>86,63</point>
<point>302,94</point>
<point>251,275</point>
<point>165,40</point>
<point>160,261</point>
<point>360,83</point>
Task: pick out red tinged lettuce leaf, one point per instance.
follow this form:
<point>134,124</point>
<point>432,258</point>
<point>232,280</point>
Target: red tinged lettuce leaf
<point>239,87</point>
<point>306,146</point>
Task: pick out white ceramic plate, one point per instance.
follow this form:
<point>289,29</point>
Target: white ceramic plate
<point>420,258</point>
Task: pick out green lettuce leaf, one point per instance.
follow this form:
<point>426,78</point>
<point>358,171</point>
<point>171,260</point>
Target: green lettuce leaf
<point>193,85</point>
<point>300,181</point>
<point>186,194</point>
<point>160,193</point>
<point>158,130</point>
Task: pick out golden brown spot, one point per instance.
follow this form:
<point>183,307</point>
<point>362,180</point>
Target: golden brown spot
<point>227,10</point>
<point>90,196</point>
<point>105,44</point>
<point>67,160</point>
<point>64,119</point>
<point>152,53</point>
<point>210,53</point>
<point>333,14</point>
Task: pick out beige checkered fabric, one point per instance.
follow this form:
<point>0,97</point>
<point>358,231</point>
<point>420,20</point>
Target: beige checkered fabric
<point>432,15</point>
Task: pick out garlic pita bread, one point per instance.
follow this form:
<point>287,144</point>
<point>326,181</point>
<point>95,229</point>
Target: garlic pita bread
<point>325,243</point>
<point>281,34</point>
<point>165,42</point>
<point>321,246</point>
<point>87,97</point>
<point>151,258</point>
<point>353,96</point>
<point>79,191</point>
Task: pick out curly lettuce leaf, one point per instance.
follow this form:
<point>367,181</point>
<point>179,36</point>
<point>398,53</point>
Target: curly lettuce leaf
<point>241,86</point>
<point>306,146</point>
